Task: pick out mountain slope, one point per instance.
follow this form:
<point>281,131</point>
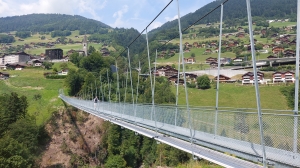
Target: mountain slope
<point>49,22</point>
<point>236,9</point>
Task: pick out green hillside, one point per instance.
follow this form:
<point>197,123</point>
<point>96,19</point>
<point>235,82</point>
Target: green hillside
<point>30,82</point>
<point>49,22</point>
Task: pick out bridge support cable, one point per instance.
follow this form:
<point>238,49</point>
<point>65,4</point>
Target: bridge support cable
<point>177,88</point>
<point>259,113</point>
<point>218,76</point>
<point>131,86</point>
<point>184,75</point>
<point>118,88</point>
<point>296,101</point>
<point>137,89</point>
<point>153,91</point>
<point>149,67</point>
<point>125,94</point>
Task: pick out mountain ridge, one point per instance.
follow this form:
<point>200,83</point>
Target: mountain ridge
<point>49,22</point>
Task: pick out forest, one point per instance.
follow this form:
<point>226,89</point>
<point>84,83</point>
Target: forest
<point>21,140</point>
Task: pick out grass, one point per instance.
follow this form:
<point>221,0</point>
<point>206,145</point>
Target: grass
<point>30,82</point>
<point>235,95</point>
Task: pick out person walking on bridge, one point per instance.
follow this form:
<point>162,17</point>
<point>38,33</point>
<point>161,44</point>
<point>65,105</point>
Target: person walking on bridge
<point>95,102</point>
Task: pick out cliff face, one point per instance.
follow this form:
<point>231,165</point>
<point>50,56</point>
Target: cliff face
<point>75,140</point>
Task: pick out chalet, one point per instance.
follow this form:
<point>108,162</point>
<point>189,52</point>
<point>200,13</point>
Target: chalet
<point>238,59</point>
<point>195,44</point>
<point>104,52</point>
<point>190,77</point>
<point>71,52</point>
<point>171,72</point>
<point>240,29</point>
<point>225,60</point>
<point>272,57</point>
<point>289,53</point>
<point>160,71</point>
<point>63,72</point>
<point>190,60</point>
<point>187,50</point>
<point>4,75</point>
<point>240,35</point>
<point>210,59</point>
<point>266,46</point>
<point>213,45</point>
<point>284,77</point>
<point>37,63</point>
<point>181,82</point>
<point>213,65</point>
<point>172,79</point>
<point>277,50</point>
<point>15,66</point>
<point>208,51</point>
<point>224,79</point>
<point>248,78</point>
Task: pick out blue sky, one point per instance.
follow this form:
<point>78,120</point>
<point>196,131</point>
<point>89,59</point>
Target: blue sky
<point>115,13</point>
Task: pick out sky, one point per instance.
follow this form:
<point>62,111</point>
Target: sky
<point>115,13</point>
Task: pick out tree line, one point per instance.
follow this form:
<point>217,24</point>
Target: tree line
<point>21,139</point>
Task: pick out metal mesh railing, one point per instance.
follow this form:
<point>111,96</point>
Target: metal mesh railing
<point>237,125</point>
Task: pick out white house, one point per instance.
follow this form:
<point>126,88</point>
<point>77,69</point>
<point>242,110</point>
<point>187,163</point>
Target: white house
<point>63,72</point>
<point>284,77</point>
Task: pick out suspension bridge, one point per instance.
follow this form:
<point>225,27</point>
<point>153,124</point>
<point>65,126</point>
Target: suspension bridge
<point>230,137</point>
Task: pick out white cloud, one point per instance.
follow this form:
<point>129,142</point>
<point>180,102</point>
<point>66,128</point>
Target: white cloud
<point>119,22</point>
<point>71,7</point>
<point>154,25</point>
<point>170,19</point>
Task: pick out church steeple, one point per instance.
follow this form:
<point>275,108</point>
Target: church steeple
<point>85,45</point>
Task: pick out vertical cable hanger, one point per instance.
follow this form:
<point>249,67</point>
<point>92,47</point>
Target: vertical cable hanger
<point>131,86</point>
<point>219,66</point>
<point>259,114</point>
<point>184,75</point>
<point>296,101</point>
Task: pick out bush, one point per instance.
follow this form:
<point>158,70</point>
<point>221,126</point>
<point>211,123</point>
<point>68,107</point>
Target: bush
<point>203,82</point>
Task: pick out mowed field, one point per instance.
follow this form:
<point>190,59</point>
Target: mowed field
<point>236,96</point>
<point>30,82</point>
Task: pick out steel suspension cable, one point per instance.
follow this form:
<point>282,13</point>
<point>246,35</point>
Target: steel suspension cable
<point>131,86</point>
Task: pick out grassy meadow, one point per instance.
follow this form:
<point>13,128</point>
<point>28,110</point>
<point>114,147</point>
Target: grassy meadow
<point>236,96</point>
<point>30,82</point>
